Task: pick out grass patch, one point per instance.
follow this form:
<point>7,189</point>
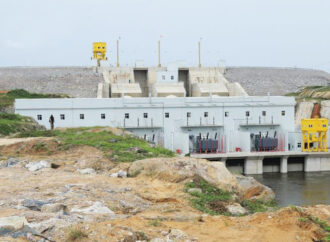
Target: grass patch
<point>8,99</point>
<point>76,234</point>
<point>13,123</point>
<point>211,199</point>
<point>258,206</point>
<point>120,148</point>
<point>155,222</point>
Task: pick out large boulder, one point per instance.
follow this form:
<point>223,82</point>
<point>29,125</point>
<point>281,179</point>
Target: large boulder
<point>183,168</point>
<point>13,222</point>
<point>253,190</point>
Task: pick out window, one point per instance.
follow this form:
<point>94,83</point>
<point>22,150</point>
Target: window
<point>163,77</point>
<point>188,114</point>
<point>263,113</point>
<point>299,145</point>
<point>247,113</point>
<point>283,113</point>
<point>39,117</point>
<point>102,115</point>
<point>145,115</point>
<point>82,116</point>
<point>62,116</point>
<point>172,77</point>
<point>206,114</point>
<point>127,115</point>
<point>167,115</point>
<point>226,114</point>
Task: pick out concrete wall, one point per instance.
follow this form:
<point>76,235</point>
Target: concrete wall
<point>314,163</point>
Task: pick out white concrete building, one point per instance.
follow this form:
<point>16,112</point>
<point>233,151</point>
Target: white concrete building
<point>188,124</point>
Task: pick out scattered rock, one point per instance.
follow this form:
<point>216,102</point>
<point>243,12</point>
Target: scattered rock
<point>9,163</point>
<point>12,223</point>
<point>96,208</point>
<point>35,166</point>
<point>253,190</point>
<point>87,171</point>
<point>193,190</point>
<point>12,161</point>
<point>53,208</point>
<point>236,209</point>
<point>177,234</point>
<point>122,174</point>
<point>34,205</point>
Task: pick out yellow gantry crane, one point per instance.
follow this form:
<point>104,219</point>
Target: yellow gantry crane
<point>99,52</point>
<point>314,134</point>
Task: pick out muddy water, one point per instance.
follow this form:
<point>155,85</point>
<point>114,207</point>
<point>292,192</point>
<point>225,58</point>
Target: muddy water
<point>298,188</point>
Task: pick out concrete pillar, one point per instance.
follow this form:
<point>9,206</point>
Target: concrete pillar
<point>312,163</point>
<point>100,90</point>
<point>284,164</point>
<point>253,165</point>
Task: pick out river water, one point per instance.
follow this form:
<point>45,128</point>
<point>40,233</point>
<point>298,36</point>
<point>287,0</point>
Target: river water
<point>298,188</point>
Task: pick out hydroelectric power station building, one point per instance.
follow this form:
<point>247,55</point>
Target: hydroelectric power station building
<point>189,110</point>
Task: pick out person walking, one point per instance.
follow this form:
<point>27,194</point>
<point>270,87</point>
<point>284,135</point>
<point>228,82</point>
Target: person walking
<point>51,121</point>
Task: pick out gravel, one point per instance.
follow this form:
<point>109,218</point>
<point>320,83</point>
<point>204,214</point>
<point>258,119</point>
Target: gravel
<point>74,81</point>
<point>278,81</point>
<point>82,81</point>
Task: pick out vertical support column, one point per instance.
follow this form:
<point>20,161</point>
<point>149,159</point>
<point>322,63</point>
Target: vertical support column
<point>159,65</point>
<point>284,164</point>
<point>199,54</point>
<point>253,165</point>
<point>117,53</point>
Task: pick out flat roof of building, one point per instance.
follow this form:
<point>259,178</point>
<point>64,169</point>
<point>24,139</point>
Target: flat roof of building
<point>228,101</point>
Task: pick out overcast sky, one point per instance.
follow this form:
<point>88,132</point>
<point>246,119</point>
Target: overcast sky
<point>283,33</point>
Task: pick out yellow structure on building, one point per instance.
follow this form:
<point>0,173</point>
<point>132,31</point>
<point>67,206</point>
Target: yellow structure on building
<point>99,51</point>
<point>314,134</point>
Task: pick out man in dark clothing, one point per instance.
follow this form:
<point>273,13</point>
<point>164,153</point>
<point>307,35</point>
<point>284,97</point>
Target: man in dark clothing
<point>51,121</point>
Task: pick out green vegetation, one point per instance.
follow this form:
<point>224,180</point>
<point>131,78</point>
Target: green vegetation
<point>7,99</point>
<point>120,148</point>
<point>258,206</point>
<point>155,222</point>
<point>141,236</point>
<point>304,218</point>
<point>211,200</point>
<point>13,123</point>
<point>76,234</point>
<point>312,93</point>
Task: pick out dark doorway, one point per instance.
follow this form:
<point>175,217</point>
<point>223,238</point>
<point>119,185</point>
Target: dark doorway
<point>141,77</point>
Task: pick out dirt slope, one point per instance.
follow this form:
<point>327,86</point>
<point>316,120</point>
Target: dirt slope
<point>124,209</point>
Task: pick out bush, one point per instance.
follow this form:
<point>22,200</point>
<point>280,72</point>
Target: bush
<point>76,234</point>
<point>211,199</point>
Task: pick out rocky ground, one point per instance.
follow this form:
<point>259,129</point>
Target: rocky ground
<point>74,81</point>
<point>62,196</point>
<point>82,82</point>
<point>277,81</point>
